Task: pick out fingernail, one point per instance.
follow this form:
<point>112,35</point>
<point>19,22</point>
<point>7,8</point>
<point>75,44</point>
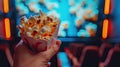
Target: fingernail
<point>45,48</point>
<point>26,40</point>
<point>58,42</point>
<point>37,44</point>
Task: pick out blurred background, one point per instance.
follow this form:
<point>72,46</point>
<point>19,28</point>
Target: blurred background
<point>89,30</point>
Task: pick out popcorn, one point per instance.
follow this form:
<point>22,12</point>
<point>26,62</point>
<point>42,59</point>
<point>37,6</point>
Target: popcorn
<point>38,29</point>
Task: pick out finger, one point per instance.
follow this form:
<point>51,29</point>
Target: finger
<point>52,50</point>
<point>58,42</point>
<point>53,41</point>
<point>54,47</point>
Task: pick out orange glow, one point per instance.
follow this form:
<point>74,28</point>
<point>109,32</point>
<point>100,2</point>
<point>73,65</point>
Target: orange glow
<point>105,29</point>
<point>107,7</point>
<point>6,6</point>
<point>7,28</point>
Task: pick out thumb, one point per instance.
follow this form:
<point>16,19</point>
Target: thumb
<point>22,49</point>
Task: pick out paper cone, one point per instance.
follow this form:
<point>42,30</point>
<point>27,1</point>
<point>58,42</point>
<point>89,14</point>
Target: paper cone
<point>38,44</point>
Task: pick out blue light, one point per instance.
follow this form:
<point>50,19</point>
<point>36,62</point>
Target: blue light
<point>65,10</point>
<point>64,59</point>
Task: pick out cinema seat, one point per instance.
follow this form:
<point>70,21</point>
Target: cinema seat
<point>76,49</point>
<point>113,58</point>
<point>117,45</point>
<point>103,51</point>
<point>89,57</point>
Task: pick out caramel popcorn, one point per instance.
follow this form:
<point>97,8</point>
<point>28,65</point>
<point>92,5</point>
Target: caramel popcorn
<point>41,26</point>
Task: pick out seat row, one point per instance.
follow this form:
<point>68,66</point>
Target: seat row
<point>93,56</point>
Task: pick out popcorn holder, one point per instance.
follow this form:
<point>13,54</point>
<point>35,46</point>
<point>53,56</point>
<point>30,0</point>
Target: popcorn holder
<point>39,45</point>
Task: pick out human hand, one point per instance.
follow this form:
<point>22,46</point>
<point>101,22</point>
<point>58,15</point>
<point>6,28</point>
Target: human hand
<point>24,57</point>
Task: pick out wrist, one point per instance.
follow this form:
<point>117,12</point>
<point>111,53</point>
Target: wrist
<point>41,63</point>
<point>31,64</point>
